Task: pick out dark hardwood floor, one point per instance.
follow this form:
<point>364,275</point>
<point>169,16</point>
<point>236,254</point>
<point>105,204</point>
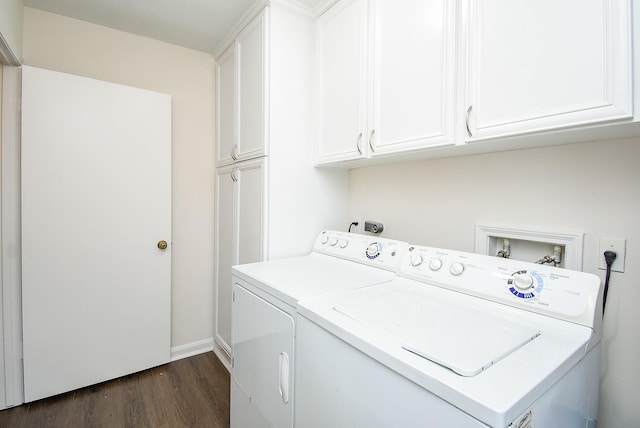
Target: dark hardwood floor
<point>192,392</point>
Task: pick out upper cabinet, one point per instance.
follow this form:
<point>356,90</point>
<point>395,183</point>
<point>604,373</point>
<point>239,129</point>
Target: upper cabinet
<point>412,74</point>
<point>537,65</point>
<point>341,82</point>
<point>240,106</point>
<point>409,76</point>
<point>385,79</point>
<point>226,106</point>
<point>251,90</point>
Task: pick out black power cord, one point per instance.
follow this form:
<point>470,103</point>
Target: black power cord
<point>609,257</point>
<point>355,223</point>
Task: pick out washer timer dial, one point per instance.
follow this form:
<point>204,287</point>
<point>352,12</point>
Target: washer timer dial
<point>522,281</point>
<point>525,284</point>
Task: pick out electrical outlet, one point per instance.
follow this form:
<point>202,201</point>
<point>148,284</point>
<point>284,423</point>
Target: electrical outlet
<point>618,246</point>
<point>373,226</point>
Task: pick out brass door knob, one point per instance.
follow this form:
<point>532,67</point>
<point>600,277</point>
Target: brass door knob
<point>162,245</point>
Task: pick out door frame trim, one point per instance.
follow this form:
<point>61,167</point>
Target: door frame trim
<point>10,227</point>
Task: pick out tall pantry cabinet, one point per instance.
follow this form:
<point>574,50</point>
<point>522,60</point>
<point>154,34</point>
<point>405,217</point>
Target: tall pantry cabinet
<point>270,201</point>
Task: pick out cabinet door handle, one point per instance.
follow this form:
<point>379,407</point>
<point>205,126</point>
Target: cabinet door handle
<point>283,371</point>
<point>373,131</point>
<point>234,174</point>
<point>233,152</point>
<point>467,121</point>
<point>358,144</point>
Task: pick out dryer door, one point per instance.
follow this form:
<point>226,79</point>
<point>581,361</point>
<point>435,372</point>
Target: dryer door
<point>262,337</point>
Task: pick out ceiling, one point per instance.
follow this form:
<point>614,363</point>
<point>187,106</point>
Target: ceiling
<point>196,24</point>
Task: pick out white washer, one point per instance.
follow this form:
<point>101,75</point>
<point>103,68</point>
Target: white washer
<point>265,296</point>
<point>456,340</point>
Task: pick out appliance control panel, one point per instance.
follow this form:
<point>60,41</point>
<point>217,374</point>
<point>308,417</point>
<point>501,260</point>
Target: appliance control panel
<point>560,293</point>
<point>375,251</point>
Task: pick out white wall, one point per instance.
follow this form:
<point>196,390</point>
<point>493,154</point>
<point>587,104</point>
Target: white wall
<point>11,31</point>
<point>588,187</point>
<point>72,46</point>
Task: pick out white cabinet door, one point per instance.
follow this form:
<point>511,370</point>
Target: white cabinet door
<point>251,90</point>
<point>250,211</point>
<point>239,226</point>
<point>263,356</point>
<point>341,82</point>
<point>385,77</point>
<point>241,96</point>
<point>543,64</point>
<point>413,74</point>
<point>226,106</point>
<point>225,250</point>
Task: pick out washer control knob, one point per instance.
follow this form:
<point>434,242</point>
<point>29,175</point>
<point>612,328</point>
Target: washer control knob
<point>344,243</point>
<point>333,242</point>
<point>416,260</point>
<point>324,239</point>
<point>522,281</point>
<point>435,264</point>
<point>456,268</point>
<point>373,250</point>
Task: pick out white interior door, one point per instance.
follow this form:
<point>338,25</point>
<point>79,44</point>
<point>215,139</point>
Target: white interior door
<point>96,201</point>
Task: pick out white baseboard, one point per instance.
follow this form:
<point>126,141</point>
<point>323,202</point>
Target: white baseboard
<point>222,356</point>
<point>191,349</point>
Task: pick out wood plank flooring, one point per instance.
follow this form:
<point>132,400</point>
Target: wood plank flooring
<point>192,392</point>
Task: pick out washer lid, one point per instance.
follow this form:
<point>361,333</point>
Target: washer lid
<point>458,337</point>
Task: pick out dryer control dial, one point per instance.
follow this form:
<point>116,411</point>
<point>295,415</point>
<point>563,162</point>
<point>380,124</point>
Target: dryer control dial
<point>416,260</point>
<point>456,268</point>
<point>373,250</point>
<point>435,264</point>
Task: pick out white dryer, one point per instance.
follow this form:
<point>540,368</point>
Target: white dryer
<point>456,340</point>
<point>265,296</point>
